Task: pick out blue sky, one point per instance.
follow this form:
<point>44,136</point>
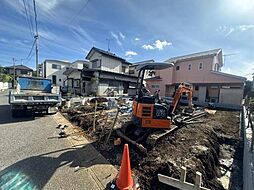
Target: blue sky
<point>138,29</point>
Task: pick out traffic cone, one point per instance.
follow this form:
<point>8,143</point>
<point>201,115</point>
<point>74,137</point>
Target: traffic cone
<point>125,180</point>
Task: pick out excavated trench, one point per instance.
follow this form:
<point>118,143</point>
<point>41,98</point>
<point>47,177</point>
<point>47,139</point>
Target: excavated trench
<point>213,148</point>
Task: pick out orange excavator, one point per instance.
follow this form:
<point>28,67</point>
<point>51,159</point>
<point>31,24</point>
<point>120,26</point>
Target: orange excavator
<point>151,119</point>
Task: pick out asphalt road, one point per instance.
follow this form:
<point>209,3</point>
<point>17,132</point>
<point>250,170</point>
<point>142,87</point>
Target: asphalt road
<point>33,157</point>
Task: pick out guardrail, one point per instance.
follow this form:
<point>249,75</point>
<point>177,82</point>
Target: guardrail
<point>248,153</point>
<point>249,112</point>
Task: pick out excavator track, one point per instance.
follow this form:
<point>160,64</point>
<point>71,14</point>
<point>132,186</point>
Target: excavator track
<point>147,138</point>
<point>154,137</point>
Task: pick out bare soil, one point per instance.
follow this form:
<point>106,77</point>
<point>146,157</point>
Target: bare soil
<point>213,148</point>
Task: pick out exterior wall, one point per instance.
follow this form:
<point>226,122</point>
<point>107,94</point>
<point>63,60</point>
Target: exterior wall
<point>231,96</point>
<point>102,88</point>
<point>202,93</point>
<point>79,64</point>
<point>60,77</point>
<point>195,75</point>
<point>19,72</point>
<point>4,85</point>
<point>107,63</point>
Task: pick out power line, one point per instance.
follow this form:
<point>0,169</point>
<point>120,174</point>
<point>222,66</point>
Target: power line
<point>32,55</point>
<point>29,7</point>
<point>82,8</point>
<point>60,44</point>
<point>27,18</point>
<point>30,52</point>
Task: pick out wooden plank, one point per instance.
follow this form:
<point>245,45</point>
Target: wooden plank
<point>178,184</point>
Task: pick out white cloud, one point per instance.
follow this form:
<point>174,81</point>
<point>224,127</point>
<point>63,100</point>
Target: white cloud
<point>147,46</point>
<point>81,34</point>
<point>160,45</point>
<point>231,30</point>
<point>130,53</point>
<point>228,30</point>
<point>246,27</point>
<point>114,35</point>
<point>121,35</point>
<point>137,39</point>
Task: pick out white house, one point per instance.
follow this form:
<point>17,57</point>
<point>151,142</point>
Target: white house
<point>53,69</point>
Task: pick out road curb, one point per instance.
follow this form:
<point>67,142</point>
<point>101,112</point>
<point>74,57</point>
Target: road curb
<point>100,170</point>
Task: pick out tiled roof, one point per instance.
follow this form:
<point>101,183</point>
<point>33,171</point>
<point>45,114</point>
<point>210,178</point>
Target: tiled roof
<point>105,53</point>
<point>20,67</point>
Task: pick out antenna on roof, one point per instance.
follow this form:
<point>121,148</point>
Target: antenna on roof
<point>226,55</point>
<point>108,39</point>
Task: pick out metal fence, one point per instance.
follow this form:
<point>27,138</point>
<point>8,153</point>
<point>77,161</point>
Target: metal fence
<point>250,116</point>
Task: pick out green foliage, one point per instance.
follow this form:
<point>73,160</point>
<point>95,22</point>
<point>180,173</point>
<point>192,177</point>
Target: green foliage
<point>3,76</point>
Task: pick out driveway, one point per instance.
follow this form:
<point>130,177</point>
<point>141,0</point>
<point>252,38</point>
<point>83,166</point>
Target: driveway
<point>33,157</point>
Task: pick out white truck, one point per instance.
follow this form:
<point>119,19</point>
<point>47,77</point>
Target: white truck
<point>32,94</point>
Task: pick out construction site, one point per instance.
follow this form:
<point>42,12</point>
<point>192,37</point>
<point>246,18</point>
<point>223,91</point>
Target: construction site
<point>201,140</point>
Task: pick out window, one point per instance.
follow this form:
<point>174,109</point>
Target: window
<point>54,66</point>
<point>54,79</point>
<point>155,86</point>
<point>177,67</point>
<point>200,66</point>
<point>131,71</point>
<point>123,69</point>
<point>85,66</point>
<point>196,88</point>
<point>189,67</point>
<point>76,83</point>
<point>23,72</point>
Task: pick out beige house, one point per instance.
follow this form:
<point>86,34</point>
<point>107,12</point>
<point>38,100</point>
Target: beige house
<point>203,71</point>
<point>19,70</point>
<point>108,74</point>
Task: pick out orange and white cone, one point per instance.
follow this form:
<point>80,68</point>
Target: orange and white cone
<point>125,180</point>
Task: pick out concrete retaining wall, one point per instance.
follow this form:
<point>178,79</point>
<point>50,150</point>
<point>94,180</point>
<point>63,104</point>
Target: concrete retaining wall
<point>248,155</point>
<point>4,86</point>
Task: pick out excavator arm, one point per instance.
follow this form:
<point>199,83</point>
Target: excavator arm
<point>183,88</point>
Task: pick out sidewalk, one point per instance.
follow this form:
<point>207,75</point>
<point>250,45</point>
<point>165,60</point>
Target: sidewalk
<point>93,165</point>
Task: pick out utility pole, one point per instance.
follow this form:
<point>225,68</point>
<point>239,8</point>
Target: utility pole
<point>36,37</point>
<point>36,54</point>
<point>13,72</point>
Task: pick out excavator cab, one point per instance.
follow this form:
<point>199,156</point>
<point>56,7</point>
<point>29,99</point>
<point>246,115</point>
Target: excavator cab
<point>146,113</point>
<point>151,119</point>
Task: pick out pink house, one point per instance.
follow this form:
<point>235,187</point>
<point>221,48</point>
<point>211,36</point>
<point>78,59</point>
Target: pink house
<point>203,71</point>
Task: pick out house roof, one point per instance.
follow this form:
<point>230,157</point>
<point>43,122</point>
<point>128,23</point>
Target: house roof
<point>81,61</point>
<point>55,60</point>
<point>20,67</point>
<point>107,53</point>
<point>110,75</point>
<point>229,75</point>
<point>70,70</point>
<point>195,55</point>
